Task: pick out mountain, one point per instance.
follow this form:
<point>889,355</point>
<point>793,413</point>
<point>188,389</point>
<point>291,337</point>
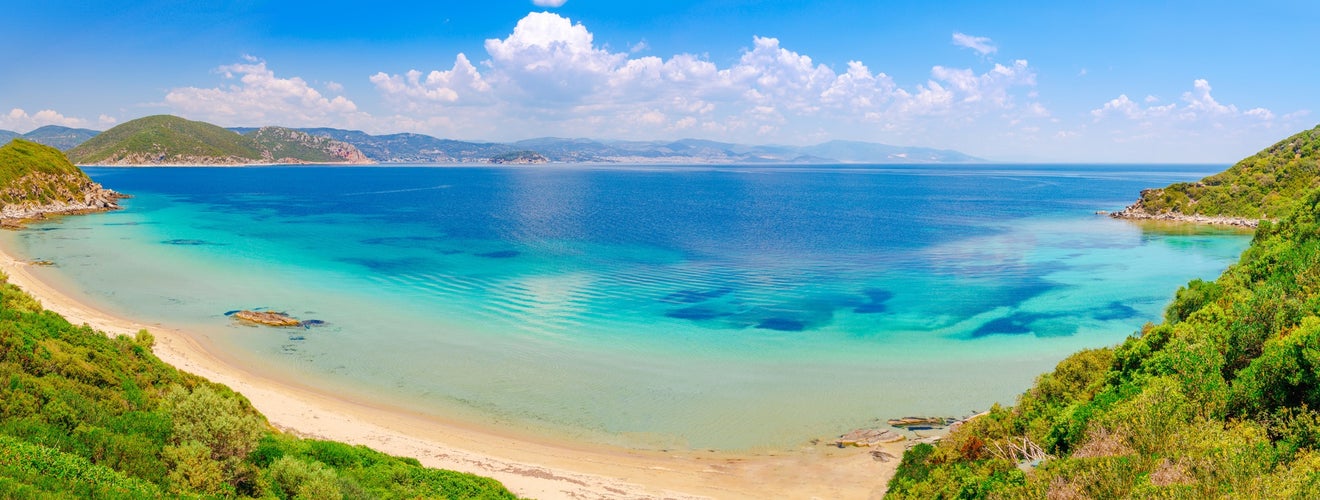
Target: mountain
<point>170,140</point>
<point>285,145</point>
<point>62,138</point>
<point>1266,185</point>
<point>1220,400</point>
<point>419,148</point>
<point>36,179</point>
<point>6,136</point>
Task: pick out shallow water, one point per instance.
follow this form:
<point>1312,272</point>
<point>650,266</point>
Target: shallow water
<point>651,307</point>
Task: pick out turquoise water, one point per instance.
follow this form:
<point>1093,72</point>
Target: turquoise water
<point>665,307</point>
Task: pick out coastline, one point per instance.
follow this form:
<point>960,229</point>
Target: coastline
<point>528,467</point>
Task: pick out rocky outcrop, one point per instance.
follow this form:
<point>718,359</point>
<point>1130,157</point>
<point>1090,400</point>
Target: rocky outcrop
<point>868,437</point>
<point>38,194</point>
<point>267,318</point>
<point>1139,211</point>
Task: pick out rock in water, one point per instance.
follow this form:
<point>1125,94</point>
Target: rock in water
<point>867,437</point>
<point>267,318</point>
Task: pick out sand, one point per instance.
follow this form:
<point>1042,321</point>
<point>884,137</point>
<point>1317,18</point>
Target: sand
<point>530,467</point>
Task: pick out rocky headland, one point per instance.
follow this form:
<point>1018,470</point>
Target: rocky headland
<point>37,181</point>
<point>1139,211</point>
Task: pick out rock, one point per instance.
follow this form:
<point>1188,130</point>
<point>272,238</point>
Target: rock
<point>41,263</point>
<point>920,421</point>
<point>1138,211</point>
<point>868,437</point>
<point>267,318</point>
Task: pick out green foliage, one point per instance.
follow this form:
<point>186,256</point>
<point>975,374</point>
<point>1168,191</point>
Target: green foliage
<point>32,173</point>
<point>1265,185</point>
<point>1218,401</point>
<point>164,139</point>
<point>83,415</point>
<point>20,157</point>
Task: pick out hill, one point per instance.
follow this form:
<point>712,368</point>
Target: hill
<point>36,180</point>
<point>61,138</point>
<point>1266,185</point>
<point>283,145</point>
<point>164,140</point>
<point>8,135</point>
<point>170,140</point>
<point>1218,401</point>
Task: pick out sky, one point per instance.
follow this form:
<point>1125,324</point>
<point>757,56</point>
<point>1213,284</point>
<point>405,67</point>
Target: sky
<point>1047,81</point>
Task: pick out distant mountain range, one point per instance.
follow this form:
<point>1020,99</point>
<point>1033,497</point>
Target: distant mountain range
<point>183,141</point>
<point>61,138</point>
<point>418,148</point>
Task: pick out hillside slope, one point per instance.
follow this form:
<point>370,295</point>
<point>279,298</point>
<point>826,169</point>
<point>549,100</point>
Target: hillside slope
<point>1218,401</point>
<point>164,140</point>
<point>61,138</point>
<point>36,180</point>
<point>1263,186</point>
<point>170,140</point>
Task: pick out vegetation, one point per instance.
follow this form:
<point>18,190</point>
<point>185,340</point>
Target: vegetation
<point>523,156</point>
<point>280,142</point>
<point>35,173</point>
<point>1219,400</point>
<point>59,137</point>
<point>1266,185</point>
<point>165,139</point>
<point>83,415</point>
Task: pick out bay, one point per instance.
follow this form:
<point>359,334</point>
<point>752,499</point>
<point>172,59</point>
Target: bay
<point>658,307</point>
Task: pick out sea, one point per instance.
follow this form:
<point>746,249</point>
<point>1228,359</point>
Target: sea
<point>649,307</point>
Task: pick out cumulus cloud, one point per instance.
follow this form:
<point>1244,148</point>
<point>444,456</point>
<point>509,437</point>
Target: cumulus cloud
<point>18,120</point>
<point>1198,105</point>
<point>982,45</point>
<point>549,77</point>
<point>257,96</point>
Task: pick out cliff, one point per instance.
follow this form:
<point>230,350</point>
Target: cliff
<point>36,180</point>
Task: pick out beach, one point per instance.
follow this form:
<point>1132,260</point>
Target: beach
<point>530,467</point>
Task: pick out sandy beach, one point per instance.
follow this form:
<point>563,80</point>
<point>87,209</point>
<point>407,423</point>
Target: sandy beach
<point>529,467</point>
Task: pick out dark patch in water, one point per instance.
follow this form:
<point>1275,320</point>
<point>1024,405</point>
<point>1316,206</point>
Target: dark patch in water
<point>500,254</point>
<point>400,240</point>
<point>696,313</point>
<point>389,265</point>
<point>694,296</point>
<point>1114,311</point>
<point>1012,325</point>
<point>875,301</point>
<point>231,313</point>
<point>297,337</point>
<point>450,252</point>
<point>782,324</point>
<point>188,242</point>
<point>312,322</point>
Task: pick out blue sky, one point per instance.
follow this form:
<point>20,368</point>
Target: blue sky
<point>1037,81</point>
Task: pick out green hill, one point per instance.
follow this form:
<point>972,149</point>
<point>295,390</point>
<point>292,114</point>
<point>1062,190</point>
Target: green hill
<point>165,139</point>
<point>1263,186</point>
<point>62,138</point>
<point>170,140</point>
<point>290,146</point>
<point>36,179</point>
<point>1218,401</point>
<point>83,415</point>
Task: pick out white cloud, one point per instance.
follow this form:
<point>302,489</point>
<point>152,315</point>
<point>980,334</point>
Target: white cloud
<point>107,121</point>
<point>548,3</point>
<point>259,97</point>
<point>982,45</point>
<point>548,77</point>
<point>18,120</point>
<point>1196,128</point>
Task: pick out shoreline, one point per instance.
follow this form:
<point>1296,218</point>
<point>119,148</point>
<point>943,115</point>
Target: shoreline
<point>536,468</point>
